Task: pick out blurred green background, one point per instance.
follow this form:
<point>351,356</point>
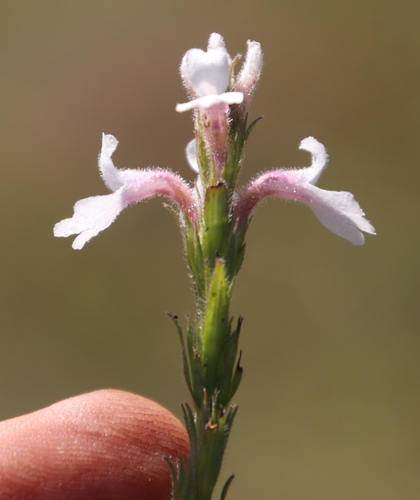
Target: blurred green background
<point>330,404</point>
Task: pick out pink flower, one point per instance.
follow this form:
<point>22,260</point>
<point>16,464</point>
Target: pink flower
<point>93,215</point>
<point>337,210</point>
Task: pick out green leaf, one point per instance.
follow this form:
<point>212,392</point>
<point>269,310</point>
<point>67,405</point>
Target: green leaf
<point>192,434</point>
<point>185,364</point>
<point>252,125</point>
<point>226,487</point>
<point>237,377</point>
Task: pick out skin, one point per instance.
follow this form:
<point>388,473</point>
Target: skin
<point>104,445</point>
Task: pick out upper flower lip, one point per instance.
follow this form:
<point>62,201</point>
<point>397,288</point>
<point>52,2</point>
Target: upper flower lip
<point>207,72</point>
<point>206,76</point>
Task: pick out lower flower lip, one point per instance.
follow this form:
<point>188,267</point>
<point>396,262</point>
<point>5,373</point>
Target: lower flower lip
<point>211,100</point>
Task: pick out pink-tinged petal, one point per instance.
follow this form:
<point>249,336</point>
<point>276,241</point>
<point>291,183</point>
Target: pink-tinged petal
<point>216,135</point>
<point>93,215</point>
<point>337,210</point>
<point>143,184</point>
<point>250,73</point>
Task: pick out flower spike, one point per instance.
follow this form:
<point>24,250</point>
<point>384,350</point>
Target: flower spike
<point>93,215</point>
<point>213,219</point>
<point>337,210</point>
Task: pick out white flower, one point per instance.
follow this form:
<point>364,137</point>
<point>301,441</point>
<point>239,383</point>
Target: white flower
<point>206,76</point>
<point>337,210</point>
<point>93,215</point>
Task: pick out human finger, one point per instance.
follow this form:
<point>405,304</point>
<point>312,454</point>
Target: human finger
<point>107,444</point>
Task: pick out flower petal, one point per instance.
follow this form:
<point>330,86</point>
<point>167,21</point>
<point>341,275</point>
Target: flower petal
<point>340,213</point>
<point>110,174</point>
<point>191,154</point>
<point>91,216</point>
<point>319,160</point>
<point>216,41</point>
<point>248,77</point>
<point>211,100</point>
<point>206,72</point>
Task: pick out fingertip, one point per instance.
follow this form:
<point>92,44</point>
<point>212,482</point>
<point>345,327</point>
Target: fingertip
<point>106,444</point>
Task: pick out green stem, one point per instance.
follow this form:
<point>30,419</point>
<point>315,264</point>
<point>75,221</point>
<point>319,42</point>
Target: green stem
<point>210,358</point>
